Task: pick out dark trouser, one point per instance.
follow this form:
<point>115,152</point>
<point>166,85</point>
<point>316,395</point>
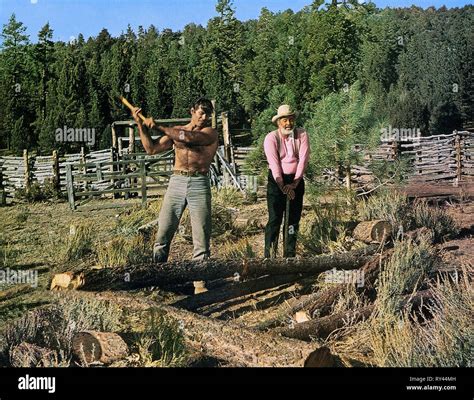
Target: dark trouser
<point>276,203</point>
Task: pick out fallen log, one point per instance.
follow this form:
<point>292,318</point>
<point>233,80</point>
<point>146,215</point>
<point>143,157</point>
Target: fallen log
<point>233,290</point>
<point>322,327</point>
<point>103,347</point>
<point>372,231</point>
<point>254,302</point>
<point>321,302</point>
<point>223,340</point>
<point>185,271</point>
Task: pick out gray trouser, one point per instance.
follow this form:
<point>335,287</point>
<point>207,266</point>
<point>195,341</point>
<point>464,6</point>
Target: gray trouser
<point>194,192</point>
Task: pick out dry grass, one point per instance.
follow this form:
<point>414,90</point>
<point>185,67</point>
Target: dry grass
<point>387,205</point>
<point>236,250</point>
<point>395,337</point>
<point>403,274</point>
<point>445,340</point>
<point>438,220</point>
<point>227,197</point>
<point>395,208</point>
<point>348,300</point>
<point>80,241</point>
<point>161,344</point>
<point>129,221</point>
<point>121,251</point>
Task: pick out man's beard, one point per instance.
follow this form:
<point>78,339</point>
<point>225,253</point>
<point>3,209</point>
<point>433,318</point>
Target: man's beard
<point>286,132</point>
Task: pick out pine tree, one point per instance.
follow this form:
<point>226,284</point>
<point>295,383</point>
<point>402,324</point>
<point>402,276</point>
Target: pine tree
<point>14,86</point>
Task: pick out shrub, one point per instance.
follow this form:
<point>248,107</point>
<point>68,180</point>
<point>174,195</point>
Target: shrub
<point>54,326</point>
<point>438,220</point>
<point>79,244</point>
<point>161,344</point>
<point>236,250</point>
<point>121,251</point>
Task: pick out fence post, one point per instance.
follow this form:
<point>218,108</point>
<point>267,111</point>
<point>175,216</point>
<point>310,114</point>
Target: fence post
<point>458,156</point>
<point>56,178</point>
<point>83,159</point>
<point>228,148</point>
<point>70,186</point>
<point>98,170</point>
<point>112,180</point>
<point>27,169</point>
<point>143,178</point>
<point>114,137</point>
<point>131,140</point>
<point>120,146</point>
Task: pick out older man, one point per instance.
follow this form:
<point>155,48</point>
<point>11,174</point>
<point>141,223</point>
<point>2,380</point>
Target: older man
<point>195,145</point>
<point>287,150</point>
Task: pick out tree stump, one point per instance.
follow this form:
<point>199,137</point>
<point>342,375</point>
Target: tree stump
<point>372,231</point>
<point>103,347</point>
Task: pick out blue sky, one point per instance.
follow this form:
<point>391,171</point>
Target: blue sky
<point>68,18</point>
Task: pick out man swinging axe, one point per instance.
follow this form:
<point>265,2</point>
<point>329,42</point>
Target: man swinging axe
<point>287,151</point>
<point>195,145</point>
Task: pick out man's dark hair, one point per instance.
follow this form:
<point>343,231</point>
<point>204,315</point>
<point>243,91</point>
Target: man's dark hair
<point>205,104</point>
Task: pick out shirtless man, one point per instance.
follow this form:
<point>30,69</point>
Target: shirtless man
<point>195,145</point>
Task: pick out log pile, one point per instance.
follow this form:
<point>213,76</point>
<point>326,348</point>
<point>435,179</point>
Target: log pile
<point>213,318</point>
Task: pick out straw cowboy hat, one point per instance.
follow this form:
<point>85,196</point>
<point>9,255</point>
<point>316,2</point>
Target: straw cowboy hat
<point>283,111</point>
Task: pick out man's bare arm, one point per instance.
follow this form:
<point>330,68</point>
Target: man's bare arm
<point>154,146</point>
<point>203,137</point>
<point>151,146</point>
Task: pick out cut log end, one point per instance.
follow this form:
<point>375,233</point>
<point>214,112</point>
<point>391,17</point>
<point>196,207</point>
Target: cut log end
<point>67,281</point>
<point>103,347</point>
<point>373,231</point>
<point>199,287</point>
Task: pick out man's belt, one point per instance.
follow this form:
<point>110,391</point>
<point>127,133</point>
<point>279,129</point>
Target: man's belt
<point>189,173</point>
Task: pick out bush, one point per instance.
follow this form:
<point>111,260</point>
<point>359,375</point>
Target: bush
<point>130,220</point>
<point>388,205</point>
<point>161,344</point>
<point>53,327</point>
<point>404,272</point>
<point>447,340</point>
<point>121,251</point>
<point>441,223</point>
<point>236,250</point>
<point>227,197</point>
<point>38,192</point>
<point>79,244</point>
<point>324,228</point>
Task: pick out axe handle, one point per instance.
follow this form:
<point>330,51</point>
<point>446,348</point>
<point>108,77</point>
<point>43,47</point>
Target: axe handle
<point>125,102</point>
<point>286,227</point>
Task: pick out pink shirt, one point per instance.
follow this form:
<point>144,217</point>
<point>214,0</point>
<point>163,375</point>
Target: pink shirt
<point>287,162</point>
